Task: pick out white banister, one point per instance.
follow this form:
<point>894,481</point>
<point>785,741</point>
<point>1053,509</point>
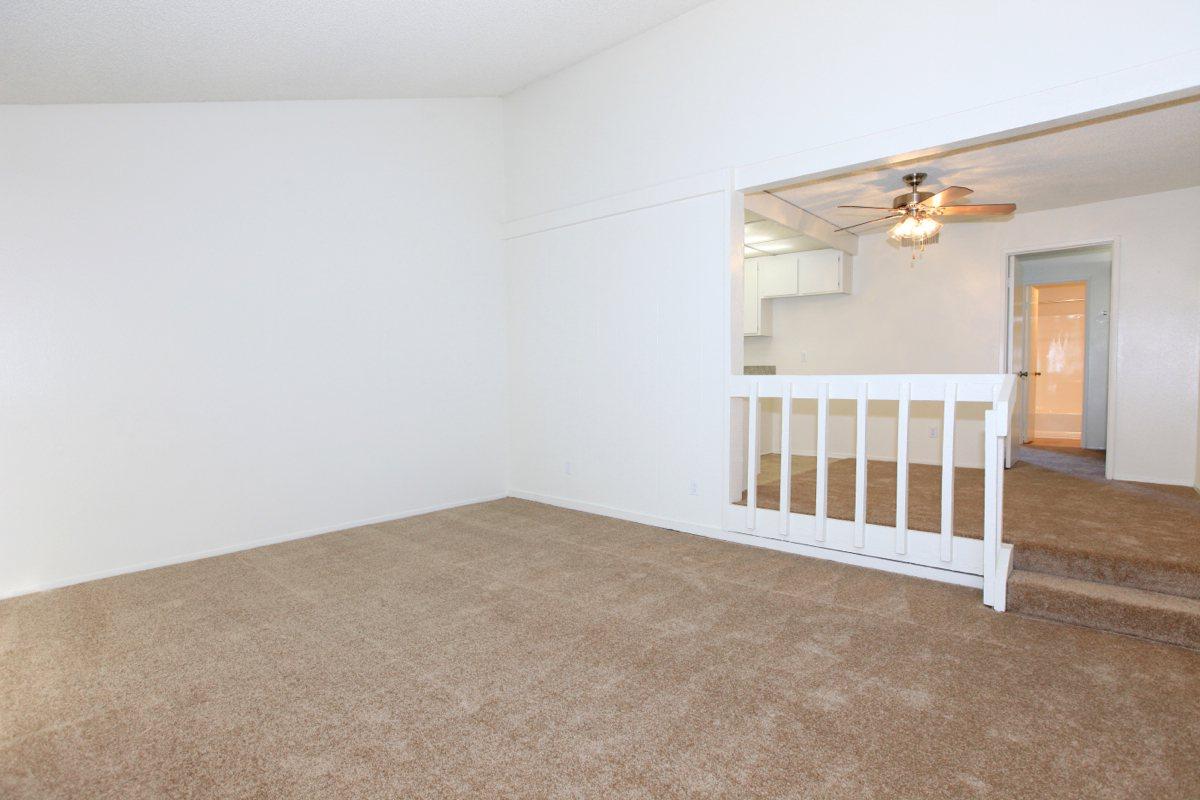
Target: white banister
<point>996,557</point>
<point>947,541</point>
<point>860,469</point>
<point>936,551</point>
<point>822,459</point>
<point>785,463</point>
<point>902,470</point>
<point>752,458</point>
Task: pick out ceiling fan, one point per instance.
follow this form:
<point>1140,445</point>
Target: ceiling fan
<point>918,214</point>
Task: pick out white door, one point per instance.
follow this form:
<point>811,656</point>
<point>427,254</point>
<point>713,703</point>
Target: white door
<point>1018,354</point>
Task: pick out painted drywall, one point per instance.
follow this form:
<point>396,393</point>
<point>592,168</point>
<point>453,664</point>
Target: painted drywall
<point>946,313</point>
<point>617,346</point>
<point>740,81</point>
<point>228,323</point>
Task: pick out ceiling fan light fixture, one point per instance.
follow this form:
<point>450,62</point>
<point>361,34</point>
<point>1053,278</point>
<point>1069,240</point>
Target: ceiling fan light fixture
<point>919,212</point>
<point>914,230</point>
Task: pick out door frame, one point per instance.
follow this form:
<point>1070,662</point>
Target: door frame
<point>1114,244</point>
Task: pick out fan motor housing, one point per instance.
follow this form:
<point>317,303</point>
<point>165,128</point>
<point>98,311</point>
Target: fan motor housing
<point>903,200</point>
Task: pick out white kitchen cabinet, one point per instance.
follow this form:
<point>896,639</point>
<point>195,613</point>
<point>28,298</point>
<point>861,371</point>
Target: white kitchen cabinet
<point>770,278</point>
<point>822,272</point>
<point>752,318</point>
<point>778,276</point>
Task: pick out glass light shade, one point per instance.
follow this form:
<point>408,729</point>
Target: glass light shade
<point>915,230</point>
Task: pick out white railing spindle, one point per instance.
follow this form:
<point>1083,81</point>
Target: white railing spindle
<point>822,460</point>
<point>752,458</point>
<point>860,470</point>
<point>947,541</point>
<point>902,470</point>
<point>785,462</point>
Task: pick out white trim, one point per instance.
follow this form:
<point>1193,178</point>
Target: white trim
<point>794,548</point>
<point>616,513</point>
<point>1152,479</point>
<point>234,548</point>
<point>921,548</point>
<point>660,194</point>
<point>972,387</point>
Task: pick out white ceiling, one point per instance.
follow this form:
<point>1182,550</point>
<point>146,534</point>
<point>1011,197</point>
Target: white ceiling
<point>93,51</point>
<point>1151,151</point>
<point>766,237</point>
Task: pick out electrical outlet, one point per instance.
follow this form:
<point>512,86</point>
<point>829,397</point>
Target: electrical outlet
<point>693,488</point>
<point>803,356</point>
<point>933,433</point>
<point>568,469</point>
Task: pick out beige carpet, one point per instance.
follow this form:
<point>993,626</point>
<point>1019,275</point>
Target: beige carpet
<point>516,650</point>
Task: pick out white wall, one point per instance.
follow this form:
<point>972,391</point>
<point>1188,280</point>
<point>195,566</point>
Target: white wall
<point>617,346</point>
<point>740,81</point>
<point>224,323</point>
<point>946,313</point>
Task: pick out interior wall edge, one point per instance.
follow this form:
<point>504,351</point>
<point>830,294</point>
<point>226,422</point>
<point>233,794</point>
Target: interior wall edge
<point>647,197</point>
<point>242,546</point>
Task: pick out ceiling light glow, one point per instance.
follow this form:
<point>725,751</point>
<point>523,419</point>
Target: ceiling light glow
<point>916,231</point>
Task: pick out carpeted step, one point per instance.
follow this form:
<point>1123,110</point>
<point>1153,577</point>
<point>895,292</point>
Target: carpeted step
<point>1122,609</point>
<point>1152,572</point>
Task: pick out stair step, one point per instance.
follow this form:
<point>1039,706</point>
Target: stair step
<point>1121,609</point>
<point>1151,573</point>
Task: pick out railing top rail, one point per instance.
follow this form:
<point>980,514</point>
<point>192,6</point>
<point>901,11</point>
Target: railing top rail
<point>971,387</point>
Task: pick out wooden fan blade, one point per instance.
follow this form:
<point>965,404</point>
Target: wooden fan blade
<point>872,208</point>
<point>945,196</point>
<point>868,222</point>
<point>982,210</point>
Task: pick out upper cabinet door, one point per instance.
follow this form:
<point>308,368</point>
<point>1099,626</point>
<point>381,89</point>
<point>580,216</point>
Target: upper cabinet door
<point>778,276</point>
<point>820,272</point>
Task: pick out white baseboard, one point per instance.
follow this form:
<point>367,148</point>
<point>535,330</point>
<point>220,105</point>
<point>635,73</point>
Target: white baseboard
<point>618,513</point>
<point>234,548</point>
<point>795,548</point>
<point>1123,476</point>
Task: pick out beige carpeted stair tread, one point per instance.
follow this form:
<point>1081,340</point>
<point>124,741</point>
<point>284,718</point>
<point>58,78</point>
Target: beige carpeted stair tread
<point>1151,571</point>
<point>1122,609</point>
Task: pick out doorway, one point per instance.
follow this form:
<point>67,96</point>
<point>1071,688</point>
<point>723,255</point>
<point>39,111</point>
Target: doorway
<point>1059,345</point>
